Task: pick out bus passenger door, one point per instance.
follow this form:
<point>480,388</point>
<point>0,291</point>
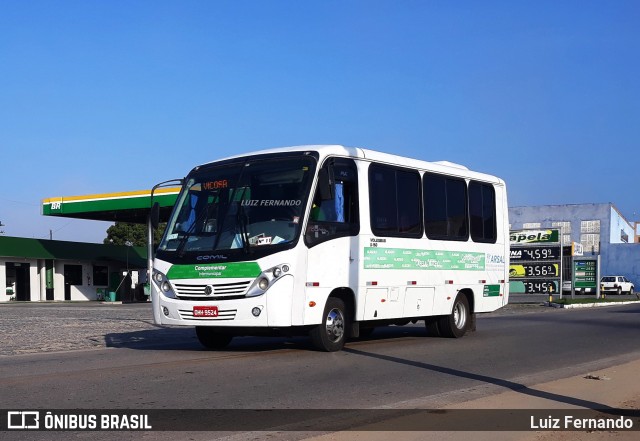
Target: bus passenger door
<point>331,234</point>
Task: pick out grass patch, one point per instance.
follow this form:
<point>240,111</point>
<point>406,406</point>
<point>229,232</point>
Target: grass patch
<point>570,301</point>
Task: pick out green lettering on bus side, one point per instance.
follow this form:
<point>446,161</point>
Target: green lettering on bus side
<point>412,259</point>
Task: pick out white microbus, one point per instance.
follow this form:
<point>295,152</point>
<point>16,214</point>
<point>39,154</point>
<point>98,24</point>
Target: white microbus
<point>331,241</point>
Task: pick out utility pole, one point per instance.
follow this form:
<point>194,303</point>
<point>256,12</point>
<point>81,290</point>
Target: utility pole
<point>1,230</point>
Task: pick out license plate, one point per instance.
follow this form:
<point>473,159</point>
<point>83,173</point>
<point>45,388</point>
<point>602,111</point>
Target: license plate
<point>205,311</point>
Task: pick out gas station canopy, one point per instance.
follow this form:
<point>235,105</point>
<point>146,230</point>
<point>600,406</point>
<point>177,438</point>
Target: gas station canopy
<point>130,206</point>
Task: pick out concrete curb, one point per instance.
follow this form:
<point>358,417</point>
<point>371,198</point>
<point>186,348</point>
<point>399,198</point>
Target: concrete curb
<point>590,305</point>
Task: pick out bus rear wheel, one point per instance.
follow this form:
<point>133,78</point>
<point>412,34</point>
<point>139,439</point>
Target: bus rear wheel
<point>211,339</point>
<point>331,334</point>
<point>431,323</point>
<point>455,324</point>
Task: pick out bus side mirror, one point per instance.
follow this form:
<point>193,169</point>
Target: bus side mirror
<point>154,215</point>
<point>325,185</point>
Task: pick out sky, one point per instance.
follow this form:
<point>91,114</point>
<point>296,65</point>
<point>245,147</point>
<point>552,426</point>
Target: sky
<point>106,96</point>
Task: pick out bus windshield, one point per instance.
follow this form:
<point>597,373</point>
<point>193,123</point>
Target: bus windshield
<point>255,203</point>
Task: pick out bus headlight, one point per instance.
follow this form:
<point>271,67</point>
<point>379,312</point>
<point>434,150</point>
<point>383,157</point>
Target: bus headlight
<point>163,284</point>
<point>266,279</point>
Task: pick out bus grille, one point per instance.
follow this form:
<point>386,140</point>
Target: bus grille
<point>219,291</point>
<point>223,315</point>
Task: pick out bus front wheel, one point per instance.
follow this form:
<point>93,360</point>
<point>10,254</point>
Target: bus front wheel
<point>331,334</point>
<point>211,339</point>
<point>455,324</point>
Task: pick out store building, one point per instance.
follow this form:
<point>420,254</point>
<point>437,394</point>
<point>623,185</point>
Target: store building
<point>41,270</point>
<point>600,228</point>
<point>50,270</point>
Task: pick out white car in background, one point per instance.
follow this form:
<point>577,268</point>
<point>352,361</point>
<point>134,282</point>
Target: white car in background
<point>616,284</point>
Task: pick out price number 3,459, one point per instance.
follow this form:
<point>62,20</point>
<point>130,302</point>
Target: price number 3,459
<point>540,287</point>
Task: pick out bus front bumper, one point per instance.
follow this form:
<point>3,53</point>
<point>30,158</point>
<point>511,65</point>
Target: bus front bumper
<point>273,308</point>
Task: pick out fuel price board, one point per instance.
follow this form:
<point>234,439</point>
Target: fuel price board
<point>585,273</point>
<point>536,262</point>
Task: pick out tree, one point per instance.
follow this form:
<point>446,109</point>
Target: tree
<point>121,232</point>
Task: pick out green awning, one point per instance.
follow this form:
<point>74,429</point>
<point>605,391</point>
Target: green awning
<point>131,206</point>
<point>20,247</point>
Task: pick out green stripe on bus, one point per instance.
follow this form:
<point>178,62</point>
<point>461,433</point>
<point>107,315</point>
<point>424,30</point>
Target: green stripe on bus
<point>401,258</point>
<point>235,270</point>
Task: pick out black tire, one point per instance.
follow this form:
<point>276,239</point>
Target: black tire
<point>619,290</point>
<point>631,290</point>
<point>431,323</point>
<point>211,339</point>
<point>366,333</point>
<point>455,324</point>
<point>331,334</point>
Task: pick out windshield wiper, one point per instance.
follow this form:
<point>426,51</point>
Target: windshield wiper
<point>183,242</point>
<point>189,233</point>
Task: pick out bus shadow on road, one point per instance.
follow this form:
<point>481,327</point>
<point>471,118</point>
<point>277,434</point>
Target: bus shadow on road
<point>184,339</point>
<point>158,338</point>
<point>506,384</point>
<point>179,338</point>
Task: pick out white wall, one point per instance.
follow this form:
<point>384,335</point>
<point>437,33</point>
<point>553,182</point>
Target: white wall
<point>33,278</point>
<point>34,281</point>
<point>37,279</point>
<point>3,282</point>
<point>619,224</point>
<point>86,291</point>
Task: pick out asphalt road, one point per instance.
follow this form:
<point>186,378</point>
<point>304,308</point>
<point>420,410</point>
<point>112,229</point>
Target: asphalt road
<point>93,357</point>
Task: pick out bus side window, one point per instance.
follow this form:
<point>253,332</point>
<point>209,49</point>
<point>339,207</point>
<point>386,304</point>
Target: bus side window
<point>336,216</point>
